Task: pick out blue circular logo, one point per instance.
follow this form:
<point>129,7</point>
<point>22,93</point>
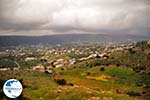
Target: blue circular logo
<point>12,88</point>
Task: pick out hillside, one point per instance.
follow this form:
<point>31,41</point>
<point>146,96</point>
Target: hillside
<point>122,75</point>
<point>67,39</point>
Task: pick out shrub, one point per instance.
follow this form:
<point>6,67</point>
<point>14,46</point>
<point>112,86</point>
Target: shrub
<point>102,69</point>
<point>74,67</point>
<point>117,64</point>
<point>131,51</point>
<point>71,84</point>
<point>62,68</point>
<point>88,73</point>
<point>133,93</point>
<point>61,81</point>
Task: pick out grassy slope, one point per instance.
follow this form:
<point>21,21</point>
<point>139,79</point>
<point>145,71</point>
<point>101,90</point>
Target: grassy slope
<point>40,86</point>
<point>78,76</point>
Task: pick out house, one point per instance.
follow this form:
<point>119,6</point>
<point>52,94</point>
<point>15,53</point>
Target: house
<point>93,55</point>
<point>119,49</point>
<point>40,68</point>
<point>30,59</point>
<point>4,69</point>
<point>104,55</point>
<point>16,68</point>
<point>72,61</point>
<point>59,63</point>
<point>84,58</point>
<point>49,70</point>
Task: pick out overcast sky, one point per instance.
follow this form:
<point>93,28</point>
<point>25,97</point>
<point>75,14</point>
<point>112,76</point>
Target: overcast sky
<point>46,17</point>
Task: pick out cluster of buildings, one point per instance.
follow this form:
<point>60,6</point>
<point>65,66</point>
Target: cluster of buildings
<point>43,54</point>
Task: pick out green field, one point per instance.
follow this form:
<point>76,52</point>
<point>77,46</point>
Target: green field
<point>111,84</point>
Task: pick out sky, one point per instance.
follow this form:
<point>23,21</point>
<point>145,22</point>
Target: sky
<point>47,17</point>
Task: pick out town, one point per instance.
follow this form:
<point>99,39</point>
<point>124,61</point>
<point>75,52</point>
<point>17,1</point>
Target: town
<point>39,56</point>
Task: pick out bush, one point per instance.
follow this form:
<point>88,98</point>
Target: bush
<point>133,93</point>
<point>117,64</point>
<point>131,51</point>
<point>71,84</point>
<point>62,68</point>
<point>61,81</point>
<point>102,69</point>
<point>88,73</point>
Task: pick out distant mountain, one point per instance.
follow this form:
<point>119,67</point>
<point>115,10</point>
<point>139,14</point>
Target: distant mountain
<point>67,39</point>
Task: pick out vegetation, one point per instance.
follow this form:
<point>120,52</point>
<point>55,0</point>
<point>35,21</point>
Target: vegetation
<point>124,75</point>
<point>61,81</point>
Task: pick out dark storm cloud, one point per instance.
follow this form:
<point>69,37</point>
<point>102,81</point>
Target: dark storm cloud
<point>63,16</point>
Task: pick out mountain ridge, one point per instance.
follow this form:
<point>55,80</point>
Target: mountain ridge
<point>67,39</point>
